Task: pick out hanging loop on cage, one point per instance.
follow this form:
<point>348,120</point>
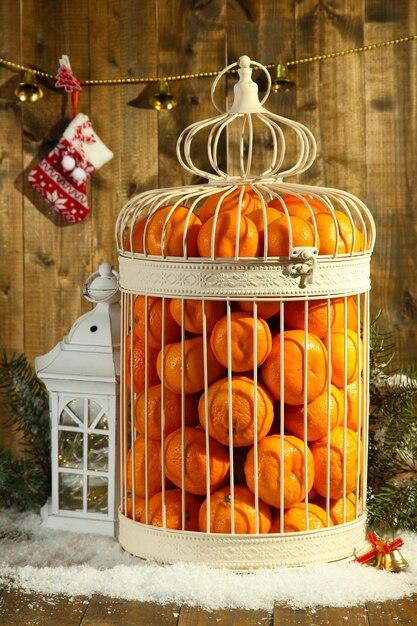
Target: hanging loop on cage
<point>104,287</point>
<point>306,258</point>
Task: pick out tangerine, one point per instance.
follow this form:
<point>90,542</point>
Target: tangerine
<point>265,309</point>
<point>193,313</point>
<point>336,508</point>
<point>295,518</point>
<point>280,240</point>
<point>154,478</point>
<point>317,315</point>
<point>335,232</point>
<point>243,411</point>
<point>139,364</point>
<point>165,232</point>
<point>137,236</point>
<point>354,404</point>
<point>194,458</point>
<point>294,346</point>
<point>194,365</point>
<point>140,506</point>
<point>229,202</point>
<point>244,512</point>
<point>224,234</point>
<point>335,463</point>
<point>258,217</point>
<point>317,412</point>
<point>172,412</point>
<point>269,470</point>
<point>354,356</point>
<point>173,510</point>
<point>297,207</point>
<point>172,331</point>
<point>241,341</point>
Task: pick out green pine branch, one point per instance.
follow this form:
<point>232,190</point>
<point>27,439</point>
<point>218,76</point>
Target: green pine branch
<point>24,407</point>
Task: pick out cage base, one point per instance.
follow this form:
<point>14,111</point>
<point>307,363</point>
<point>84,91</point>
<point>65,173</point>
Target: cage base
<point>243,552</point>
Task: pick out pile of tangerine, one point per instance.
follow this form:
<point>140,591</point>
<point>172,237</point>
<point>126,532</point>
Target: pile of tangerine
<point>335,231</point>
<point>210,410</point>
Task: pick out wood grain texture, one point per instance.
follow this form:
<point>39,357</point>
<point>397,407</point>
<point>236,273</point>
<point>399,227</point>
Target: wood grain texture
<point>192,616</point>
<point>12,243</point>
<point>30,609</point>
<point>320,616</point>
<point>56,254</point>
<point>393,613</point>
<point>111,612</point>
<point>391,135</point>
<point>190,36</point>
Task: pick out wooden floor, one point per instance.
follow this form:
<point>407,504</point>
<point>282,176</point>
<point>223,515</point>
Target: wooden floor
<point>21,609</point>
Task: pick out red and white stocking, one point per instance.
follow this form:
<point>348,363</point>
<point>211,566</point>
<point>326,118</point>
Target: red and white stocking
<point>61,177</point>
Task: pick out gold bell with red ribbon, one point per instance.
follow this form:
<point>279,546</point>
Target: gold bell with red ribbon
<point>384,555</point>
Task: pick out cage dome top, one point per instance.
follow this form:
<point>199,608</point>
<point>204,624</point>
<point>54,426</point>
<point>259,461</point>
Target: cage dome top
<point>248,217</point>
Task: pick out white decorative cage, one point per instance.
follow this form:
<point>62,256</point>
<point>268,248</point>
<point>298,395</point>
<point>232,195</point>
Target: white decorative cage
<point>245,311</point>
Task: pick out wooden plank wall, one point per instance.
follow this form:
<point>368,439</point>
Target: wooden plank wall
<point>360,107</point>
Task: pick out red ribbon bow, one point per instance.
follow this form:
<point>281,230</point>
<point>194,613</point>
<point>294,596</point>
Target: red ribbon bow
<point>380,546</point>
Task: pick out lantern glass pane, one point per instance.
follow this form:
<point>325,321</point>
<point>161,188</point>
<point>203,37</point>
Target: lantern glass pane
<point>103,423</point>
<point>98,452</point>
<point>71,491</point>
<point>71,415</point>
<point>94,408</point>
<point>70,449</point>
<point>97,494</point>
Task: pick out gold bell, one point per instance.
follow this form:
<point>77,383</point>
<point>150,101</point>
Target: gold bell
<point>163,98</point>
<point>282,80</point>
<point>394,562</point>
<point>28,89</point>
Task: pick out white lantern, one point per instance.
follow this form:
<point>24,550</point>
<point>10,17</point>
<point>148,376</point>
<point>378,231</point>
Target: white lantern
<point>81,374</point>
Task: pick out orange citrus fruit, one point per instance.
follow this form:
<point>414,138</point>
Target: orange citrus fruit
<point>194,454</point>
<point>172,331</point>
<point>193,313</point>
<point>265,309</point>
<point>229,202</point>
<point>317,315</point>
<point>224,235</point>
<point>295,518</point>
<point>244,512</point>
<point>241,341</point>
<point>296,207</point>
<point>336,508</point>
<point>139,364</point>
<point>336,233</point>
<point>294,346</point>
<point>336,462</point>
<point>354,353</point>
<point>316,415</point>
<point>269,470</point>
<point>153,464</point>
<point>137,236</point>
<point>140,506</point>
<point>194,366</point>
<point>172,412</point>
<point>243,411</point>
<point>259,218</point>
<point>173,510</point>
<point>279,240</point>
<point>164,235</point>
<point>353,408</point>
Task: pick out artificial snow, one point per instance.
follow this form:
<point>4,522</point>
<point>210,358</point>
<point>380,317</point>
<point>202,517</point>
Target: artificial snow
<point>33,558</point>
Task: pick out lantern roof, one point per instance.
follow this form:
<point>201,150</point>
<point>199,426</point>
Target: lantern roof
<point>91,350</point>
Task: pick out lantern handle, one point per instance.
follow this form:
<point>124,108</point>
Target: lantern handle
<point>105,269</point>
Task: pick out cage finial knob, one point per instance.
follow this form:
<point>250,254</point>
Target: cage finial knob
<point>246,90</point>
